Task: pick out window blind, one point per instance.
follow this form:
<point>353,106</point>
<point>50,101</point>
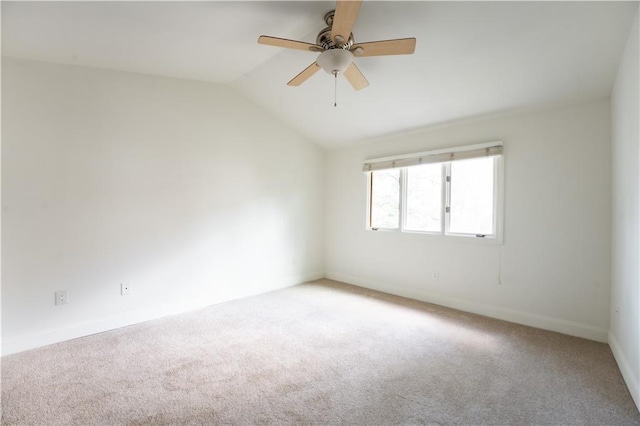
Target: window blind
<point>490,149</point>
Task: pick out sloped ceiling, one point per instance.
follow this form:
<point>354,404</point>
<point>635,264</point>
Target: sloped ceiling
<point>472,58</point>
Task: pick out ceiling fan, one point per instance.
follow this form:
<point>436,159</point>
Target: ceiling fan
<point>337,46</point>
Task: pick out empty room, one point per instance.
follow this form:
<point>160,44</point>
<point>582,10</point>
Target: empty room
<point>336,212</point>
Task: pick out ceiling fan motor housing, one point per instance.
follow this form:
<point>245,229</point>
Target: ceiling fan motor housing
<point>324,40</point>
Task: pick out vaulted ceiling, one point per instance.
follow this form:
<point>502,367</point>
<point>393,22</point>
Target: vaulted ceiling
<point>471,58</point>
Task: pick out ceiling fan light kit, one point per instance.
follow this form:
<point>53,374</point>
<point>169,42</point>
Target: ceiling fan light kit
<point>335,61</point>
<point>337,46</point>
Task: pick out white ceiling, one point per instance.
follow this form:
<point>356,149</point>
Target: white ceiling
<point>472,58</point>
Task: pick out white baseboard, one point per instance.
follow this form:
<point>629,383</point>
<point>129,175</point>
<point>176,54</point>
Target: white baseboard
<point>88,328</point>
<point>135,317</point>
<point>309,277</point>
<point>512,315</point>
<point>632,381</point>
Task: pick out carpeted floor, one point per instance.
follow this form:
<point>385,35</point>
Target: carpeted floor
<point>319,353</point>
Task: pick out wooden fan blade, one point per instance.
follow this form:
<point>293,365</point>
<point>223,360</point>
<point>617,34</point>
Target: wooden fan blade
<point>400,46</point>
<point>289,44</point>
<point>304,75</point>
<point>344,18</point>
<point>355,77</point>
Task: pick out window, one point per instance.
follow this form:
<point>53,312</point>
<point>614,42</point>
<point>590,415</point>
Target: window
<point>471,190</point>
<point>448,192</point>
<point>385,199</point>
<point>424,198</point>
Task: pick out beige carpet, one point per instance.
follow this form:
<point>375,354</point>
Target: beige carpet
<point>318,353</point>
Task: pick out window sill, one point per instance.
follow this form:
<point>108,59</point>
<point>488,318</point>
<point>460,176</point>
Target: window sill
<point>470,239</point>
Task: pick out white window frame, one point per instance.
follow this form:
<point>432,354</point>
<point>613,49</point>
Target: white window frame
<point>498,195</point>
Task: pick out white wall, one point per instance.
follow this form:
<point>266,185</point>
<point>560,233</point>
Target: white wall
<point>185,190</point>
<point>624,336</point>
<point>553,270</point>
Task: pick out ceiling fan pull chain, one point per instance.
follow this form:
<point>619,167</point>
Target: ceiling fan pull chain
<point>335,89</point>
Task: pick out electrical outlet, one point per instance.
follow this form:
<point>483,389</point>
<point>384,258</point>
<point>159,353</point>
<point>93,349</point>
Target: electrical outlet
<point>125,289</point>
<point>435,275</point>
<point>61,297</point>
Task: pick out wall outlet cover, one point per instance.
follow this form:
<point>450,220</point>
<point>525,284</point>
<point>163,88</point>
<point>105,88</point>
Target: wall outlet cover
<point>125,289</point>
<point>61,297</point>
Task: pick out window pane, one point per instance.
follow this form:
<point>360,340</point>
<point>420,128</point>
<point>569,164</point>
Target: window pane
<point>472,196</point>
<point>424,198</point>
<point>385,199</point>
